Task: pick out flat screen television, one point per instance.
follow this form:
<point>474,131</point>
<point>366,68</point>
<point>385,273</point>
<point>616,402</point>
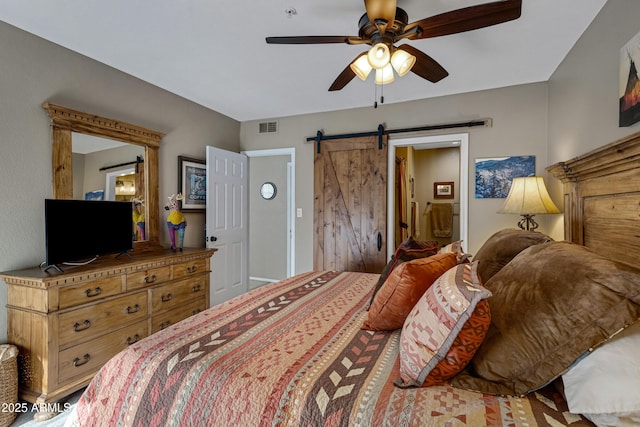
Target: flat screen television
<point>78,231</point>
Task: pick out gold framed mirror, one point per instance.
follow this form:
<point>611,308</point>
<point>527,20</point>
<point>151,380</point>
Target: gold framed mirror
<point>66,121</point>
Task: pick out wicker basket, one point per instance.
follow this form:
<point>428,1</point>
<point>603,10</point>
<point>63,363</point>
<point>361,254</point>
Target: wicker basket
<point>8,382</point>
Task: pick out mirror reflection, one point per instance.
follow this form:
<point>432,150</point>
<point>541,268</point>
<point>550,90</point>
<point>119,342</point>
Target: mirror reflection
<point>105,169</point>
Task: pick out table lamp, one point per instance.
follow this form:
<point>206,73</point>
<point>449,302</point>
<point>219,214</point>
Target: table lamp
<point>528,196</point>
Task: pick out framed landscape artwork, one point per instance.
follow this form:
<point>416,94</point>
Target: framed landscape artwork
<point>192,183</point>
<point>629,92</point>
<point>494,175</point>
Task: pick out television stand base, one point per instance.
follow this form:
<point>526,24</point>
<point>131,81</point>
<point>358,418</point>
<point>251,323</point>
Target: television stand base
<point>124,253</point>
<point>57,267</point>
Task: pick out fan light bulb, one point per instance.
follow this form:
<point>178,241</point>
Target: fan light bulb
<point>384,75</point>
<point>379,56</point>
<point>402,62</point>
<point>361,66</point>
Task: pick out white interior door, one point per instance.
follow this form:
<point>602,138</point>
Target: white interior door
<point>227,226</point>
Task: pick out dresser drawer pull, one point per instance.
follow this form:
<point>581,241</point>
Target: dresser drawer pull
<point>97,291</point>
<point>150,279</point>
<point>196,288</point>
<point>79,327</point>
<point>79,362</point>
<point>166,298</point>
<point>192,269</point>
<point>165,324</point>
<point>135,309</point>
<point>133,340</point>
<point>196,311</point>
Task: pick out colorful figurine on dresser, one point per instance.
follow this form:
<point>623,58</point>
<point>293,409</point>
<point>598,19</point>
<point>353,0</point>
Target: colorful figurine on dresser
<point>137,209</point>
<point>175,220</point>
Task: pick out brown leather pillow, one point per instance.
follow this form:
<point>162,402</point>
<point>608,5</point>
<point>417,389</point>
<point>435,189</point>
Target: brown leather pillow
<point>402,290</point>
<point>408,250</point>
<point>502,246</point>
<point>551,304</point>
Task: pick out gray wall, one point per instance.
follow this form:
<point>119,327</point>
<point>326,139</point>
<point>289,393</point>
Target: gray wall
<point>583,92</point>
<point>268,218</point>
<point>33,71</point>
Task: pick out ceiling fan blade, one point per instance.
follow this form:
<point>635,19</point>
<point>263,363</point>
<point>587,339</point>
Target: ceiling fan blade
<point>380,9</point>
<point>311,39</point>
<point>425,66</point>
<point>467,19</point>
<point>343,79</point>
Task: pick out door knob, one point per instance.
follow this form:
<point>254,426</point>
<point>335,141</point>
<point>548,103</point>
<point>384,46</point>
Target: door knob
<point>213,239</point>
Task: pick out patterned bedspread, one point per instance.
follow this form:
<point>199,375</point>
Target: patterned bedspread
<point>290,353</point>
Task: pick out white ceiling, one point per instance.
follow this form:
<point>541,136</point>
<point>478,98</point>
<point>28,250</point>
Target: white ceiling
<point>214,53</point>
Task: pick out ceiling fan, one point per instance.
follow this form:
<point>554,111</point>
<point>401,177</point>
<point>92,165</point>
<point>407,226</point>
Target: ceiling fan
<point>384,24</point>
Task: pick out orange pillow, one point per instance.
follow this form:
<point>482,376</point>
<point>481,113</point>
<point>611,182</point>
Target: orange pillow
<point>402,290</point>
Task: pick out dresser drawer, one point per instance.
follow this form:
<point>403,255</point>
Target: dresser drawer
<point>166,297</point>
<point>164,320</point>
<point>186,269</point>
<point>86,323</point>
<point>71,296</point>
<point>149,277</point>
<point>88,357</point>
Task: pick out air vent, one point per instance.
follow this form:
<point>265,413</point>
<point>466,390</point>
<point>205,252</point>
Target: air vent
<point>269,127</point>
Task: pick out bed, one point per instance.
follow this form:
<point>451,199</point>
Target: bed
<point>321,348</point>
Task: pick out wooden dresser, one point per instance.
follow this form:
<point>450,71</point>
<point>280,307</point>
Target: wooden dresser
<point>67,325</point>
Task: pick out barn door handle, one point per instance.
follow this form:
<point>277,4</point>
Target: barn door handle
<point>379,241</point>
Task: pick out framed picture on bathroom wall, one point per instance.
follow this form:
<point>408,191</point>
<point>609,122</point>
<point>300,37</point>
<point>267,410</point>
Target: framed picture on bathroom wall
<point>443,190</point>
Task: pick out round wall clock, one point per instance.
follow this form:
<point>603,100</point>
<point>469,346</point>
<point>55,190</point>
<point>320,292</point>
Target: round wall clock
<point>268,190</point>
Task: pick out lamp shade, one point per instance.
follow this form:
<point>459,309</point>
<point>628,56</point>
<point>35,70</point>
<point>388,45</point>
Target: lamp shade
<point>379,56</point>
<point>402,61</point>
<point>528,196</point>
<point>385,75</point>
<point>361,66</point>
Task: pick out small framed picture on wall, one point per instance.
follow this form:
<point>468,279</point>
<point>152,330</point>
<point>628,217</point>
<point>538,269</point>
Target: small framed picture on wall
<point>443,190</point>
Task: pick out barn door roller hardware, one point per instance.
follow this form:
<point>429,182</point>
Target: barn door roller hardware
<point>381,131</point>
<point>320,137</point>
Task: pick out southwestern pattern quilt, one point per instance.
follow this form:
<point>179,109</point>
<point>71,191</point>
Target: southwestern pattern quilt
<point>290,353</point>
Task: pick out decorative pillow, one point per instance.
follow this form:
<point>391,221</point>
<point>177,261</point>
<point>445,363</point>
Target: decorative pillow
<point>408,250</point>
<point>436,321</point>
<point>605,383</point>
<point>550,305</point>
<point>464,346</point>
<point>502,246</point>
<point>403,289</point>
<point>456,248</point>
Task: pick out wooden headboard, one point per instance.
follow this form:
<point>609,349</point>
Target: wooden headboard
<point>602,199</point>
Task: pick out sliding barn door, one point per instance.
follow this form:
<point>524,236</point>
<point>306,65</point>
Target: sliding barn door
<point>350,205</point>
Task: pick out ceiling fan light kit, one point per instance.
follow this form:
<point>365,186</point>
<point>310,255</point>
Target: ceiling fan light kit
<point>402,62</point>
<point>384,24</point>
<point>379,56</point>
<point>361,66</point>
<point>384,75</point>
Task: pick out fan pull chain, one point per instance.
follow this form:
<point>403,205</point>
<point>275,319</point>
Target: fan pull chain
<point>375,95</point>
